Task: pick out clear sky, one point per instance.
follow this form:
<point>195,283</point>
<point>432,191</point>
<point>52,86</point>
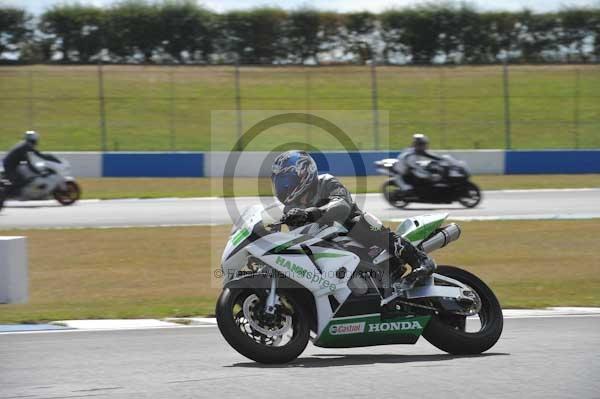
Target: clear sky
<point>37,6</point>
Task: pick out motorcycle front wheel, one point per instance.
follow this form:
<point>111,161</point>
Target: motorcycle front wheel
<point>471,196</point>
<point>70,195</point>
<point>265,338</point>
<point>450,333</point>
<point>390,190</point>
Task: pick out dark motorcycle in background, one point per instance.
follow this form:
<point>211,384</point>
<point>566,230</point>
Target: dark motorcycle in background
<point>452,184</point>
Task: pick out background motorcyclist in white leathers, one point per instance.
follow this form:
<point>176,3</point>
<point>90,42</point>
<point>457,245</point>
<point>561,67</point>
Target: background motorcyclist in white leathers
<point>411,165</point>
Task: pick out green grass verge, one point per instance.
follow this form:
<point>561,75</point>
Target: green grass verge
<point>107,188</point>
<point>165,108</point>
<point>145,272</point>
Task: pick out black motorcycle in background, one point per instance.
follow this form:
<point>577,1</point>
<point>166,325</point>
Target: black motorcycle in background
<point>453,184</point>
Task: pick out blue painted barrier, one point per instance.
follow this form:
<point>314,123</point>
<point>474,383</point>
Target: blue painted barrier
<point>153,164</point>
<point>552,161</point>
<point>199,164</point>
<point>350,163</point>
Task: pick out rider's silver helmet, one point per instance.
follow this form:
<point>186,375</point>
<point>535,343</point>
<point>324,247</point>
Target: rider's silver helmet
<point>31,137</point>
<point>420,143</point>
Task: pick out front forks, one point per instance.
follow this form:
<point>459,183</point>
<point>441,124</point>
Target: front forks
<point>272,299</point>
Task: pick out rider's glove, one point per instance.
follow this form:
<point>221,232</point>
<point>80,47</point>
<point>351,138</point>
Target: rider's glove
<point>296,217</point>
<point>299,216</point>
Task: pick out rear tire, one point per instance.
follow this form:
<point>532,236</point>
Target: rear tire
<point>236,332</point>
<point>71,195</point>
<point>447,332</point>
<point>471,196</point>
<point>2,197</point>
<point>389,190</point>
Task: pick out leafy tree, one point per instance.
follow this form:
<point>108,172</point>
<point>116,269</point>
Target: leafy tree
<point>413,32</point>
<point>255,36</point>
<point>577,25</point>
<point>537,35</point>
<point>75,30</point>
<point>181,31</point>
<point>14,29</point>
<point>303,35</point>
<point>360,35</point>
<point>133,30</point>
<point>188,29</point>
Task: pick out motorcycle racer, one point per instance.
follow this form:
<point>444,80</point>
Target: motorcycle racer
<point>310,197</point>
<point>20,154</point>
<point>410,170</point>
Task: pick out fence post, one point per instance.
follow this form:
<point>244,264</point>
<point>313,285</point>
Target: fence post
<point>507,124</point>
<point>30,115</point>
<point>102,110</point>
<point>576,109</point>
<point>171,109</point>
<point>374,98</point>
<point>238,105</point>
<point>307,86</point>
<point>442,108</point>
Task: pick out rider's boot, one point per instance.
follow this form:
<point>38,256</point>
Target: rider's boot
<point>418,265</point>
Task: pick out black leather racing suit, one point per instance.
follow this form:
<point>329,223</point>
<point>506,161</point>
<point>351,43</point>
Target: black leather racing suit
<point>17,155</point>
<point>334,203</point>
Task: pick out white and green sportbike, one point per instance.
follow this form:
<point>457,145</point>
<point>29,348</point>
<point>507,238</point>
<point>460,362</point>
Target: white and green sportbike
<point>282,289</point>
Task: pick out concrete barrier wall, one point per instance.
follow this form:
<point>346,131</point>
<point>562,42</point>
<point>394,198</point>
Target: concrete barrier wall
<point>340,163</point>
<point>243,164</point>
<point>83,164</point>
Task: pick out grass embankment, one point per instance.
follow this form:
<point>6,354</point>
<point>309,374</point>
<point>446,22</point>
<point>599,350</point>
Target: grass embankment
<point>143,272</point>
<point>105,188</point>
<point>164,108</point>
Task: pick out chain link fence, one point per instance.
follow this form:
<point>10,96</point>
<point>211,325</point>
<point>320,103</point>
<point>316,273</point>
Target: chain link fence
<point>167,108</point>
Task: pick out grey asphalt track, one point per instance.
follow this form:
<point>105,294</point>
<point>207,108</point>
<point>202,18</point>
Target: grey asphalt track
<point>582,203</point>
<point>535,358</point>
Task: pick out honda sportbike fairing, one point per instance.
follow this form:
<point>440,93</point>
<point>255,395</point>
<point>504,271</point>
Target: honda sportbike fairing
<point>315,282</point>
<point>55,181</point>
<point>454,184</point>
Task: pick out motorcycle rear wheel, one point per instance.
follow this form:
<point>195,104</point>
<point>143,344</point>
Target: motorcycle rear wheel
<point>251,338</point>
<point>448,331</point>
<point>389,190</point>
<point>2,197</point>
<point>69,196</point>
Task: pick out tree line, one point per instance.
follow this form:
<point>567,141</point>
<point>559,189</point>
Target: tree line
<point>180,31</point>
